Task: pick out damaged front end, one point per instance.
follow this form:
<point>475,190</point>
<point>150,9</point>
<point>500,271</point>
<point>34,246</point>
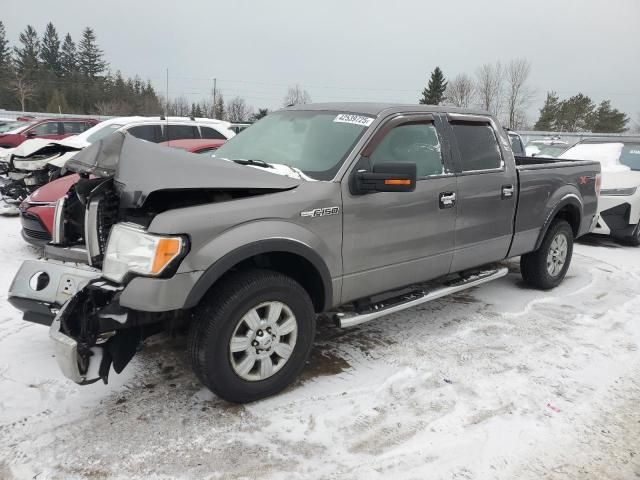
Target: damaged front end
<point>108,282</point>
<point>32,165</point>
<point>92,332</point>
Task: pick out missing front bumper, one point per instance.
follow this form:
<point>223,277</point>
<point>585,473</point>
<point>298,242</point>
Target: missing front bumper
<point>68,359</point>
<point>40,288</point>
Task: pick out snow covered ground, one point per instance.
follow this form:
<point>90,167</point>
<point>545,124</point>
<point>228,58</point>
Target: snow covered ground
<point>501,382</point>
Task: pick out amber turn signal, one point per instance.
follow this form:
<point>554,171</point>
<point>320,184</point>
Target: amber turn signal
<point>397,182</point>
<point>166,251</point>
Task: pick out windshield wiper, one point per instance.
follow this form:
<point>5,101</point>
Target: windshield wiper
<point>249,161</point>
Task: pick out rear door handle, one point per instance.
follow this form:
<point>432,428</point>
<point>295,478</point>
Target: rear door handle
<point>507,191</point>
<point>447,199</point>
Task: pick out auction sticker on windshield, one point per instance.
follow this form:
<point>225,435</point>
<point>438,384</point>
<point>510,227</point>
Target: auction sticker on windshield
<point>356,119</point>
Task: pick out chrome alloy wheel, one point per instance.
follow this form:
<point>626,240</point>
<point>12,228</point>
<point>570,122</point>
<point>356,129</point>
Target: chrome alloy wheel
<point>557,255</point>
<point>263,341</point>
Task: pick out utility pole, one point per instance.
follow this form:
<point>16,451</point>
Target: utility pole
<point>215,95</point>
<point>167,99</point>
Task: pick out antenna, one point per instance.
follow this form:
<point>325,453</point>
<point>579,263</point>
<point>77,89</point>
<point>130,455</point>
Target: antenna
<point>167,108</point>
<point>215,92</point>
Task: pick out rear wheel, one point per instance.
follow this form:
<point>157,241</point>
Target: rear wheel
<point>546,267</point>
<point>252,335</point>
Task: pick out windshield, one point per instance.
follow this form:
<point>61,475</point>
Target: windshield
<point>11,126</point>
<point>17,127</point>
<point>101,131</point>
<point>630,155</point>
<point>608,154</point>
<point>542,150</point>
<point>316,142</point>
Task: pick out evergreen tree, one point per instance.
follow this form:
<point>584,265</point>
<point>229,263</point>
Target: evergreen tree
<point>68,62</point>
<point>262,112</point>
<point>50,51</point>
<point>196,110</point>
<point>90,57</point>
<point>577,114</point>
<point>57,103</point>
<point>26,56</point>
<point>219,110</point>
<point>434,93</point>
<point>548,113</point>
<point>609,120</point>
<point>5,52</point>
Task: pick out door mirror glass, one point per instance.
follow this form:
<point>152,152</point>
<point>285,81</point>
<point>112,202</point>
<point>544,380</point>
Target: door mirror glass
<point>386,177</point>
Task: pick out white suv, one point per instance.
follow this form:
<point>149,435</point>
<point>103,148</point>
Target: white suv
<point>31,155</point>
<point>619,202</point>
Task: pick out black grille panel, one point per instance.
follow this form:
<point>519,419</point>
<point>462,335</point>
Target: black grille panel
<point>33,227</point>
<point>36,234</point>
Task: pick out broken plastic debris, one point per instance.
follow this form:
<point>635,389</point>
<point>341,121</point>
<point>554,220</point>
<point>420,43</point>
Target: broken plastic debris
<point>555,409</point>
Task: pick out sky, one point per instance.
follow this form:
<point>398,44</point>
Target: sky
<point>354,50</point>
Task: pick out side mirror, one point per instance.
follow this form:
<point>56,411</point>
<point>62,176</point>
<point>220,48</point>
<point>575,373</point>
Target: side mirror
<point>386,177</point>
<point>31,134</point>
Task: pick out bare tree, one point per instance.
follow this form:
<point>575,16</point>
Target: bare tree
<point>238,111</point>
<point>113,108</point>
<point>489,82</point>
<point>461,91</point>
<point>179,107</point>
<point>23,88</point>
<point>296,95</point>
<point>517,94</point>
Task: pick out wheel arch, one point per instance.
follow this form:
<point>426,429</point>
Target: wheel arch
<point>286,256</point>
<point>569,208</point>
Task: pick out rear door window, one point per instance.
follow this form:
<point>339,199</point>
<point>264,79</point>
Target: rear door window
<point>478,146</point>
<point>182,132</point>
<point>74,128</point>
<point>150,133</point>
<point>211,133</point>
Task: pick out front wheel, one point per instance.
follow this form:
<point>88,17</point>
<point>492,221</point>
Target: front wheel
<point>252,335</point>
<point>546,267</point>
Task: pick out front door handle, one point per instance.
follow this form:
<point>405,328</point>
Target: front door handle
<point>447,199</point>
<point>507,191</point>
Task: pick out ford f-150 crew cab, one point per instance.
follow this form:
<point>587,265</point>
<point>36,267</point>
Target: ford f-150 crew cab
<point>344,211</point>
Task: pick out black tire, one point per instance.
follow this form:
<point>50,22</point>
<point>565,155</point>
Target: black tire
<point>634,238</point>
<point>533,266</point>
<point>216,318</point>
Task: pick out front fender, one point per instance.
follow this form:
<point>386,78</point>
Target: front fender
<point>230,248</point>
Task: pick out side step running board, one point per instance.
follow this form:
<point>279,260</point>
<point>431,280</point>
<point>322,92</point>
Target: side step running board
<point>350,319</point>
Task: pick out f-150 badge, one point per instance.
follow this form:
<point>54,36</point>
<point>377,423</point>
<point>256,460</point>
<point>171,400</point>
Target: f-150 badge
<point>321,212</point>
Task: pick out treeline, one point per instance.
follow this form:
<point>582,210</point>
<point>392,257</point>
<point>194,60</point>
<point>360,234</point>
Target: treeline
<point>47,74</point>
<point>235,110</point>
<point>580,114</point>
<point>504,91</point>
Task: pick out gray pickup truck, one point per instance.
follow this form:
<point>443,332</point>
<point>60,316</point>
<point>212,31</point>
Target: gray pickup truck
<point>344,211</point>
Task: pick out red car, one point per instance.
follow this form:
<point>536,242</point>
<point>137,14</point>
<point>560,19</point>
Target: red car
<point>53,128</point>
<point>36,212</point>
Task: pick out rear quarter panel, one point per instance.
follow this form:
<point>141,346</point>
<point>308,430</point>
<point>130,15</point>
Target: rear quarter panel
<point>546,188</point>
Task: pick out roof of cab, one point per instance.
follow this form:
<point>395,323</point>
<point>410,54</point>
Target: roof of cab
<point>371,108</point>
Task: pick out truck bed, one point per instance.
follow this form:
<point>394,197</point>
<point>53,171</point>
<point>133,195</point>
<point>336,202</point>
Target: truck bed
<point>544,183</point>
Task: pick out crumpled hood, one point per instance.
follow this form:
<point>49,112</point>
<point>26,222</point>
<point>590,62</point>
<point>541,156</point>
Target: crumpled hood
<point>140,168</point>
<point>44,146</point>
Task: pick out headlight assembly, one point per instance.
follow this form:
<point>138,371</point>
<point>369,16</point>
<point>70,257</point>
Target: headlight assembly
<point>131,249</point>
